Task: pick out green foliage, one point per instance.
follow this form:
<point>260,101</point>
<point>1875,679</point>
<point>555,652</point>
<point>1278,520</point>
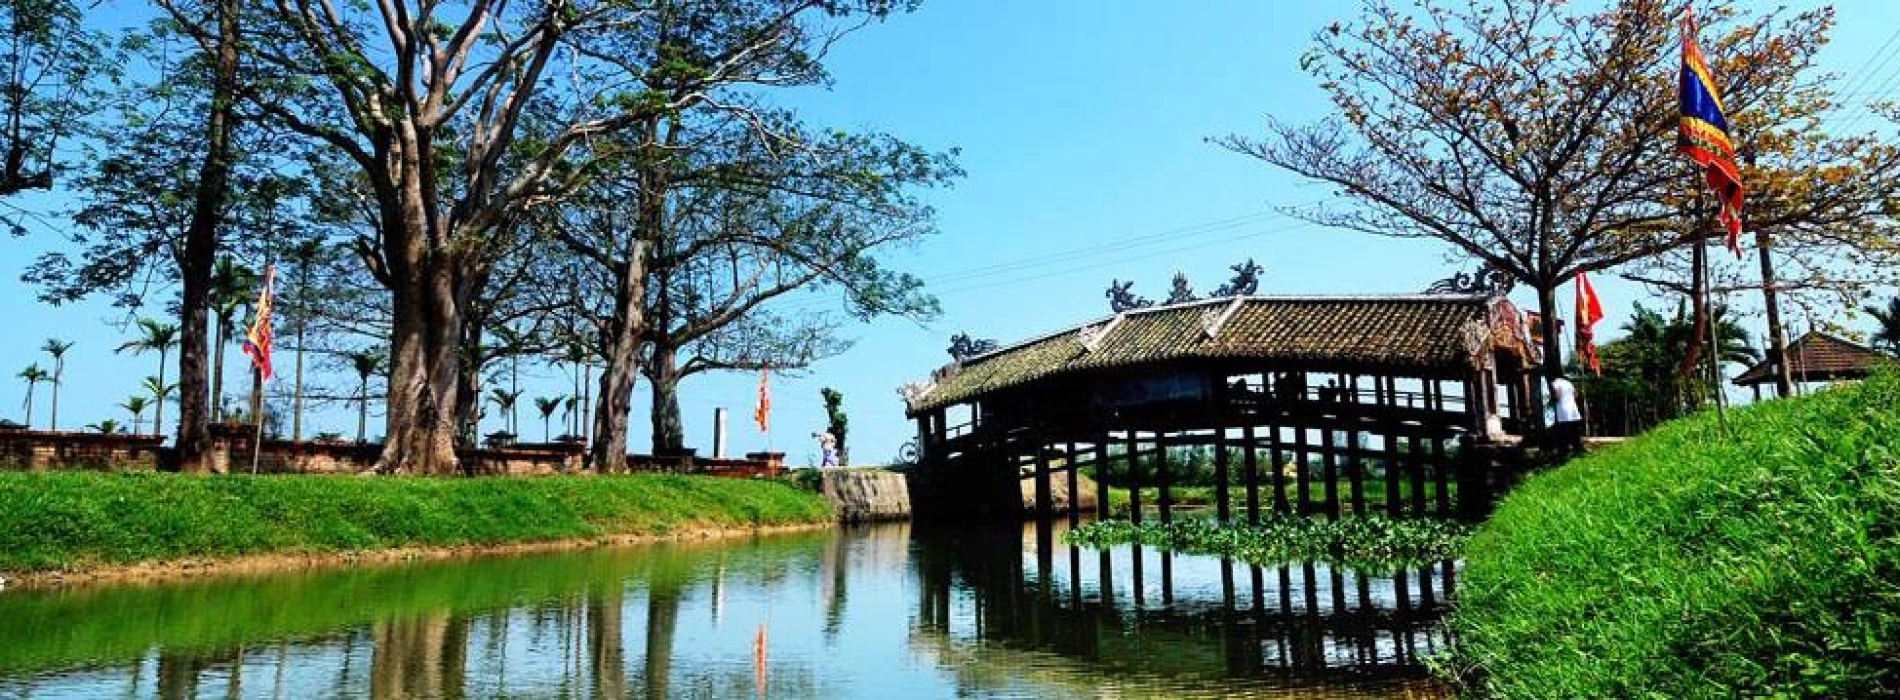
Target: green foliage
<point>1694,562</point>
<point>839,422</point>
<point>1642,383</point>
<point>1886,335</point>
<point>69,520</point>
<point>1371,543</point>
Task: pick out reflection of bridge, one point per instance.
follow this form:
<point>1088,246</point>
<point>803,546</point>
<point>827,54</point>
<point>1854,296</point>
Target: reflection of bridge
<point>1365,395</point>
<point>1131,610</point>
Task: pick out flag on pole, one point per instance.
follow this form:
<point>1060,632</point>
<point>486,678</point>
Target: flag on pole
<point>761,414</point>
<point>257,339</point>
<point>1703,134</point>
<point>1589,311</point>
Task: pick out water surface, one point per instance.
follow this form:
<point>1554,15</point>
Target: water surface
<point>869,612</point>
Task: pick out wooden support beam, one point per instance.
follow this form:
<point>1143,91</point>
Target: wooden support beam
<point>1415,471</point>
<point>1221,509</point>
<point>1163,481</point>
<point>1101,477</point>
<point>1394,501</point>
<point>1134,477</point>
<point>1441,468</point>
<point>1355,466</point>
<point>1329,471</point>
<point>1279,474</point>
<point>1075,490</point>
<point>1304,487</point>
<point>1045,498</point>
<point>1251,463</point>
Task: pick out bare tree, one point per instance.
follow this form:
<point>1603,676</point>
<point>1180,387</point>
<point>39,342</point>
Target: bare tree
<point>1535,136</point>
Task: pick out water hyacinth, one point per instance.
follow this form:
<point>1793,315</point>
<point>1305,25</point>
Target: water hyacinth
<point>1366,543</point>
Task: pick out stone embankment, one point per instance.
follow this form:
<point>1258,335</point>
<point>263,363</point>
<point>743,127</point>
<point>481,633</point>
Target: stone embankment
<point>866,495</point>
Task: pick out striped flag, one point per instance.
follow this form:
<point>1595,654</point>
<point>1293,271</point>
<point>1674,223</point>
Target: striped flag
<point>1703,135</point>
<point>257,339</point>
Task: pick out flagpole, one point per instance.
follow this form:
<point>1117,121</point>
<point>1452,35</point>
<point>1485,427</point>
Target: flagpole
<point>1707,292</point>
<point>257,416</point>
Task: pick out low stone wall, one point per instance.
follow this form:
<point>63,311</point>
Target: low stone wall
<point>866,495</point>
<point>37,450</point>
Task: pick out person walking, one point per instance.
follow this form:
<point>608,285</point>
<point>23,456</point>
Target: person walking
<point>828,449</point>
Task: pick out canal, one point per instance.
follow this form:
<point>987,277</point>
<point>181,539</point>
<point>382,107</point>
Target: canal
<point>866,612</point>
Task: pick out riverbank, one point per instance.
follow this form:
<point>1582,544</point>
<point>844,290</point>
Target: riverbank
<point>83,525</point>
<point>1694,561</point>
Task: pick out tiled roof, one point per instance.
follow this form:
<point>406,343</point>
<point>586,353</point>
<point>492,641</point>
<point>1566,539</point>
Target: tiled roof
<point>1819,357</point>
<point>1401,332</point>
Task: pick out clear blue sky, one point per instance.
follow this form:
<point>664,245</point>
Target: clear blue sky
<point>1082,127</point>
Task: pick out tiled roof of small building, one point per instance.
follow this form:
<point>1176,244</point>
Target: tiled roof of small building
<point>1819,357</point>
<point>1418,332</point>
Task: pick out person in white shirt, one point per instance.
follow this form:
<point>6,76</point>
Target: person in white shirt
<point>1567,428</point>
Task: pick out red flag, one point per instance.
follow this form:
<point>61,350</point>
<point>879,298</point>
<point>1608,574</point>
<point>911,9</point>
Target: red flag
<point>257,339</point>
<point>1589,311</point>
<point>761,414</point>
<point>1703,134</point>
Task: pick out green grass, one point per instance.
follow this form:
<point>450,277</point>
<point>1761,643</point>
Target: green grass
<point>1688,563</point>
<point>1371,543</point>
<point>75,520</point>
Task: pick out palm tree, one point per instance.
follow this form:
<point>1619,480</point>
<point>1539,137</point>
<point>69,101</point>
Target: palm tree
<point>546,405</point>
<point>1887,336</point>
<point>136,404</point>
<point>108,427</point>
<point>505,400</point>
<point>306,253</point>
<point>33,375</point>
<point>231,289</point>
<point>160,337</point>
<point>161,392</point>
<point>366,362</point>
<point>57,348</point>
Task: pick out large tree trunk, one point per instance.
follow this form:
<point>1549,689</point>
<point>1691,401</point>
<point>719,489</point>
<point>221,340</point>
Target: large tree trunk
<point>201,249</point>
<point>425,368</point>
<point>668,434</point>
<point>623,365</point>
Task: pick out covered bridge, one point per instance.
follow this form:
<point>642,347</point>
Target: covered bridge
<point>1312,395</point>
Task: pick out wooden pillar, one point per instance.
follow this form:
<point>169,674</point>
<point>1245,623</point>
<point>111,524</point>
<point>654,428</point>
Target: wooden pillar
<point>1075,490</point>
<point>1163,481</point>
<point>1134,477</point>
<point>1441,464</point>
<point>1415,470</point>
<point>1355,466</point>
<point>1101,477</point>
<point>1329,469</point>
<point>1277,475</point>
<point>1303,487</point>
<point>1221,511</point>
<point>1394,502</point>
<point>1045,498</point>
<point>1251,464</point>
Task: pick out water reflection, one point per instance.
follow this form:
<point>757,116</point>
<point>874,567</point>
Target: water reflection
<point>866,612</point>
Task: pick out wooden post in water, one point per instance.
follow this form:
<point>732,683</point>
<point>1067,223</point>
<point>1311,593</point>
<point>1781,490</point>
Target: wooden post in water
<point>1277,475</point>
<point>1394,501</point>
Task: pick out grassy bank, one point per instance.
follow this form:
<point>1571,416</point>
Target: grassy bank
<point>79,520</point>
<point>1689,563</point>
